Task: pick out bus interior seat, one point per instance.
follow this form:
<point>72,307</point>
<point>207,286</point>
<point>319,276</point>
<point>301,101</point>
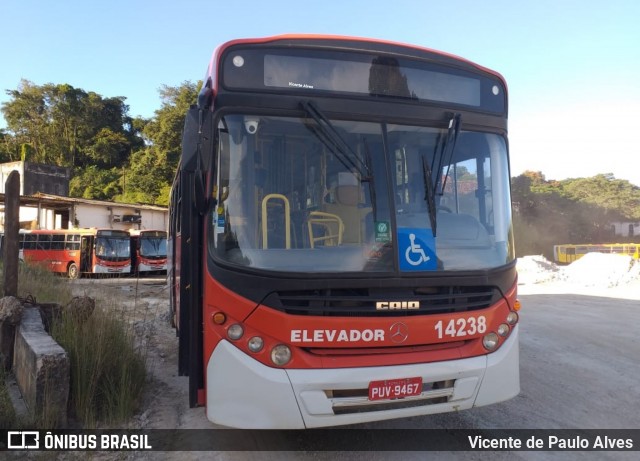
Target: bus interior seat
<point>323,227</point>
<point>349,207</point>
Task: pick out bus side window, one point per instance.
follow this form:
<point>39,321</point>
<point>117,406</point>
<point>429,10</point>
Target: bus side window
<point>44,242</point>
<point>72,243</point>
<point>30,241</point>
<point>57,242</point>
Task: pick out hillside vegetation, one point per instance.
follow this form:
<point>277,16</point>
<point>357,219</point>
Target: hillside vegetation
<point>579,210</point>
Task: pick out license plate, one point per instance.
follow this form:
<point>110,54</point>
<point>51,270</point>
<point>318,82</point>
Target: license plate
<point>395,388</point>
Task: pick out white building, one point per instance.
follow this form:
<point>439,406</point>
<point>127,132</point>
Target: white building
<point>44,211</point>
<point>44,203</point>
<point>626,229</point>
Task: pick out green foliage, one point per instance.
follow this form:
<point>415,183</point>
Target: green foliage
<point>114,157</point>
<point>9,149</point>
<point>45,287</point>
<point>96,184</point>
<point>570,211</point>
<point>107,372</point>
<point>64,126</point>
<point>605,191</point>
<point>41,284</point>
<point>8,419</point>
<point>108,361</point>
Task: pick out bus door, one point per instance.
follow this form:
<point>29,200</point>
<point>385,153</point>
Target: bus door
<point>86,251</point>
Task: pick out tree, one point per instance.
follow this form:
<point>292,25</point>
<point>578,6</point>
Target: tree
<point>68,126</point>
<point>9,148</point>
<point>570,211</point>
<point>151,170</point>
<point>618,197</point>
<point>95,183</point>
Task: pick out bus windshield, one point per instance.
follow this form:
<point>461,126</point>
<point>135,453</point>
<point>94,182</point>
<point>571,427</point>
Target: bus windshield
<point>113,248</point>
<point>307,195</point>
<point>153,247</point>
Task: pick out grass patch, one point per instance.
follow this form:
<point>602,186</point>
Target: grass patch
<point>41,285</point>
<point>108,365</point>
<point>107,372</point>
<point>8,419</point>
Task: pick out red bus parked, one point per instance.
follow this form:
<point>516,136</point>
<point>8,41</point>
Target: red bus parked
<point>341,241</point>
<point>77,251</point>
<point>148,251</point>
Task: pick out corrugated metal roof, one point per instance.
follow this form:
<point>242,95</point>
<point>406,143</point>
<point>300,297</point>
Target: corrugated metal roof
<point>53,200</point>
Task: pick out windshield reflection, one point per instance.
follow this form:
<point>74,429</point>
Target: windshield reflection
<point>314,195</point>
<point>113,248</point>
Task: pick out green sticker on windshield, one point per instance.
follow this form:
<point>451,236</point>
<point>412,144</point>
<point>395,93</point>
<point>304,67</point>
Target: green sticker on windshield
<point>383,232</point>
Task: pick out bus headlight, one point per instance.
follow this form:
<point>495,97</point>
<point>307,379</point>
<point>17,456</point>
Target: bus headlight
<point>255,344</point>
<point>503,329</point>
<point>512,318</point>
<point>235,332</point>
<point>280,355</point>
<point>490,341</point>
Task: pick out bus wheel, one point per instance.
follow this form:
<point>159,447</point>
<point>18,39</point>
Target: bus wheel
<point>72,271</point>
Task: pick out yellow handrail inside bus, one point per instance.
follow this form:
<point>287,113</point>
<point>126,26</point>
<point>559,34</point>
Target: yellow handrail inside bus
<point>332,224</point>
<point>287,219</point>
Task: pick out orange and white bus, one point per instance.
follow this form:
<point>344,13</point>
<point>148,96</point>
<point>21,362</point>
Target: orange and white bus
<point>341,242</point>
<point>148,251</point>
<point>77,251</point>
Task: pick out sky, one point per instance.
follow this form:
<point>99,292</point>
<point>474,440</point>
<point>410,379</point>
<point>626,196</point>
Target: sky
<point>572,66</point>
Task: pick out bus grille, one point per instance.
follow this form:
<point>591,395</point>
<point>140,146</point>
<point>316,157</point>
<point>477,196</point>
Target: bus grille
<point>361,302</point>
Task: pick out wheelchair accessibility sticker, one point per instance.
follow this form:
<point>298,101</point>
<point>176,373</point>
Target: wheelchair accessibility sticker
<point>417,250</point>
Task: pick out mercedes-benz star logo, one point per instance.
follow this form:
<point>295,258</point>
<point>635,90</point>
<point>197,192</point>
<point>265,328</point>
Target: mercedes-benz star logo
<point>399,332</point>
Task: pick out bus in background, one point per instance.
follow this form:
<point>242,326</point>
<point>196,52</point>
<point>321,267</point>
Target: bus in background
<point>148,251</point>
<point>568,253</point>
<point>77,252</point>
<point>340,240</point>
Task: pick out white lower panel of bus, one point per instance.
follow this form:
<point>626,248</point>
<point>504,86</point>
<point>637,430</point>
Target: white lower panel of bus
<point>98,269</point>
<point>243,393</point>
<point>151,267</point>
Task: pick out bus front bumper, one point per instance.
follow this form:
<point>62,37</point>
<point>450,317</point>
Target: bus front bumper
<point>243,393</point>
<point>99,269</point>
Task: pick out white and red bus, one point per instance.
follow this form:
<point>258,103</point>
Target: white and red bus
<point>341,242</point>
<point>77,251</point>
<point>148,251</point>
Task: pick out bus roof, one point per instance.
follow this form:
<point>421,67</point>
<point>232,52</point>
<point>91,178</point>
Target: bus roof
<point>335,40</point>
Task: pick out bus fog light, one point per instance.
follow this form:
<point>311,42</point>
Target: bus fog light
<point>280,355</point>
<point>255,344</point>
<point>219,318</point>
<point>235,331</point>
<point>512,318</point>
<point>503,329</point>
<point>490,341</point>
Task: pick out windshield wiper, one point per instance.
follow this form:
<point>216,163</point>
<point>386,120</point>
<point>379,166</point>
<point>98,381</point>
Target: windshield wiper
<point>446,153</point>
<point>369,179</point>
<point>327,133</point>
<point>429,194</point>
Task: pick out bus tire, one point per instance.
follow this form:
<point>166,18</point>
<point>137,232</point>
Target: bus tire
<point>72,271</point>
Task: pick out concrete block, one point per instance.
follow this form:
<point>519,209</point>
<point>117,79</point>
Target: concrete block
<point>10,315</point>
<point>42,369</point>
